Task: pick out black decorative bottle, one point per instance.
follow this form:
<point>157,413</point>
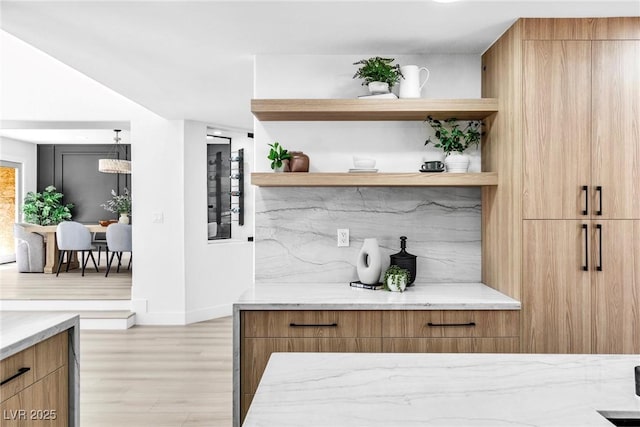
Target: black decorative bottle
<point>405,260</point>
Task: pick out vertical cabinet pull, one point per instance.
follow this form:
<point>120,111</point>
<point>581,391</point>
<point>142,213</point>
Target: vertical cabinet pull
<point>585,267</point>
<point>599,190</point>
<point>599,266</point>
<point>585,189</point>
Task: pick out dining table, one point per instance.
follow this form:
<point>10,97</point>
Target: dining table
<point>51,248</point>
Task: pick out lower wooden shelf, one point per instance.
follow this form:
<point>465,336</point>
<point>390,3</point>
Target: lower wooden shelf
<point>306,179</point>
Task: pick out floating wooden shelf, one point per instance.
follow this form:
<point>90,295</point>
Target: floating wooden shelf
<point>303,179</point>
<point>371,109</point>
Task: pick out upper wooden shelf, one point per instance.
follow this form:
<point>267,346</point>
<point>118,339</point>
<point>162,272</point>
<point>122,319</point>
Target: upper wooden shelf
<point>371,109</point>
<point>304,179</point>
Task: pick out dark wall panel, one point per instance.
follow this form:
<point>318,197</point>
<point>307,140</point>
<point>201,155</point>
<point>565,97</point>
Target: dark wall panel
<point>73,170</point>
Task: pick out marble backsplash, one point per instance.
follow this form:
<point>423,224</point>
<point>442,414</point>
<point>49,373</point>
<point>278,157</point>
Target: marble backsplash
<point>295,231</point>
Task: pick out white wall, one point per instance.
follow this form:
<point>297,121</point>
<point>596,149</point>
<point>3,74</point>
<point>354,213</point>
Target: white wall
<point>24,153</point>
<point>172,258</point>
<point>397,146</point>
<point>216,272</point>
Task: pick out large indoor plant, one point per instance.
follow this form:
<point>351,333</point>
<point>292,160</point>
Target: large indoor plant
<point>454,140</point>
<point>120,204</point>
<point>378,74</point>
<point>46,208</point>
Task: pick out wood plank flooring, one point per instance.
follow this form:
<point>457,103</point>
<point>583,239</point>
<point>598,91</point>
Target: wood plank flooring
<point>67,286</point>
<point>157,376</point>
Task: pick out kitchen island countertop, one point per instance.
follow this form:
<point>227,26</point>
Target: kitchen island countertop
<point>373,389</point>
<point>340,296</point>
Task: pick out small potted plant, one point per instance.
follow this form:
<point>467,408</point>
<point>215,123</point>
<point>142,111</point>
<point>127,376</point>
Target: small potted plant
<point>120,204</point>
<point>378,74</point>
<point>279,157</point>
<point>396,279</point>
<point>46,208</point>
<point>454,141</point>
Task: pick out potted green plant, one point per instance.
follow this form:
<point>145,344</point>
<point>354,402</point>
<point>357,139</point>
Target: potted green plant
<point>46,208</point>
<point>279,157</point>
<point>454,140</point>
<point>396,279</point>
<point>120,204</point>
<point>378,74</point>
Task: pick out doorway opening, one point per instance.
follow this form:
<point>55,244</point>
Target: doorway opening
<point>10,191</point>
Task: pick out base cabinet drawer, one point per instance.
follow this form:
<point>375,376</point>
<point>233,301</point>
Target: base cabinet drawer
<point>45,403</point>
<point>17,372</point>
<point>311,324</point>
<point>450,345</point>
<point>450,323</point>
<point>256,353</point>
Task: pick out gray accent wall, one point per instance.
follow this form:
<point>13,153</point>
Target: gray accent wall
<point>73,170</point>
<point>296,231</point>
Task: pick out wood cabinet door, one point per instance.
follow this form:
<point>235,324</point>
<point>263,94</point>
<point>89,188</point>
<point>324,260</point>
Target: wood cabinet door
<point>556,294</point>
<point>556,128</point>
<point>616,287</point>
<point>450,345</point>
<point>616,128</point>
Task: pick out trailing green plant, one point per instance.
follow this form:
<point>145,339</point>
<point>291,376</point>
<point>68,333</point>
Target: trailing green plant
<point>396,273</point>
<point>46,208</point>
<point>378,69</point>
<point>450,137</point>
<point>277,154</point>
<point>119,203</point>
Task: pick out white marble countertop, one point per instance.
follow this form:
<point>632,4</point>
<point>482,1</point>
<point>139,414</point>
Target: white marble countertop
<point>22,329</point>
<point>374,389</point>
<point>341,296</point>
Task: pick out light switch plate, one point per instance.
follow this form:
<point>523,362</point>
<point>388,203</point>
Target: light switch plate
<point>157,217</point>
<point>343,237</point>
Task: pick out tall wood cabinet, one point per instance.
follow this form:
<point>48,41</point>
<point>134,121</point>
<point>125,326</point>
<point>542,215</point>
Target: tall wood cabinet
<point>567,139</point>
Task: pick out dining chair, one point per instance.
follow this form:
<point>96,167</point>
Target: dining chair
<point>72,237</point>
<point>99,240</point>
<point>118,241</point>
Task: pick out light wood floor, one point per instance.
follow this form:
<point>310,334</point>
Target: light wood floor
<point>157,376</point>
<point>67,286</point>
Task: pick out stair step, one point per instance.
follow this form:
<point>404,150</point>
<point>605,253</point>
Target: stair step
<point>107,319</point>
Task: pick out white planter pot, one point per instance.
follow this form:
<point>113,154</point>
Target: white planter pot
<point>376,88</point>
<point>457,163</point>
<point>369,263</point>
<point>397,283</point>
<point>124,218</point>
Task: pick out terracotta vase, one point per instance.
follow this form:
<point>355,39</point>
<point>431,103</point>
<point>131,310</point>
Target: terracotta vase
<point>299,162</point>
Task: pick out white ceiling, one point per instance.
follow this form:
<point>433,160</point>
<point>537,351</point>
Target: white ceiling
<point>65,136</point>
<point>194,59</point>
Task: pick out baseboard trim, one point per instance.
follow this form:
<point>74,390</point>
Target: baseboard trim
<point>65,305</point>
<point>215,312</point>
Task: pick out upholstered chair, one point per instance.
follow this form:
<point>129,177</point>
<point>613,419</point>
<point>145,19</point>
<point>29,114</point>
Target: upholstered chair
<point>118,241</point>
<point>74,237</point>
<point>29,250</point>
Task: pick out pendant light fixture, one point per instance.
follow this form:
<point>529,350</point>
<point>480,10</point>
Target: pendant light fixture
<point>115,164</point>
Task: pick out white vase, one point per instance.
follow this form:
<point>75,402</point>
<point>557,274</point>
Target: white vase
<point>124,218</point>
<point>369,263</point>
<point>397,283</point>
<point>457,163</point>
<point>377,88</point>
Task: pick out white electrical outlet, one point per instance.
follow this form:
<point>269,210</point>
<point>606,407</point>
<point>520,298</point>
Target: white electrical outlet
<point>343,237</point>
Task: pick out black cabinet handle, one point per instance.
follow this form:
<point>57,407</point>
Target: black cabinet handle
<point>585,188</point>
<point>452,324</point>
<point>313,325</point>
<point>599,190</point>
<point>21,371</point>
<point>585,267</point>
<point>599,266</point>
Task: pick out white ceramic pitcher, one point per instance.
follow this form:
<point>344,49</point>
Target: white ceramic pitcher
<point>410,86</point>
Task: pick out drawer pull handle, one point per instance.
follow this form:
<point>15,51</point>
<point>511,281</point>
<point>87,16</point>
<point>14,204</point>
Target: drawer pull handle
<point>452,324</point>
<point>314,325</point>
<point>21,371</point>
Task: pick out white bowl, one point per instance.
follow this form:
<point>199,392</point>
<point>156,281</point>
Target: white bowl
<point>364,163</point>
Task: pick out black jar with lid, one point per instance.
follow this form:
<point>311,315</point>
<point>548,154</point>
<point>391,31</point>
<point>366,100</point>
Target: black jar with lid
<point>405,260</point>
